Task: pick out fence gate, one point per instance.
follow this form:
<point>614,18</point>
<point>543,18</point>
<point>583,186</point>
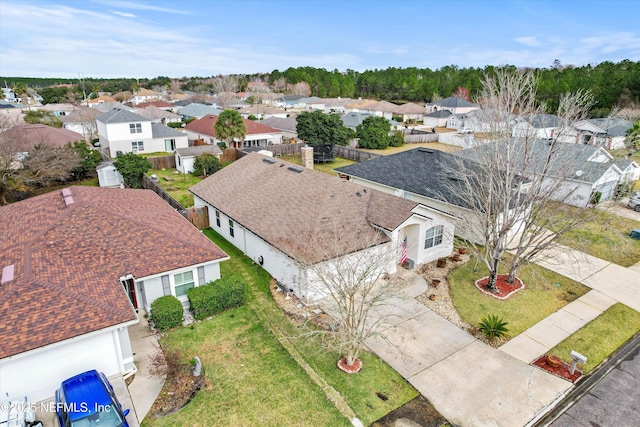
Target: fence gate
<point>199,217</point>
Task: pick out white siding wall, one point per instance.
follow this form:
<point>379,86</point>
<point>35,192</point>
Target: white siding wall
<point>37,374</point>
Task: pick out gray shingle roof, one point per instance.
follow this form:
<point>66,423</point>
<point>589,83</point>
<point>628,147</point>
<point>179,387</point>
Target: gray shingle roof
<point>440,114</point>
<point>198,110</point>
<point>281,123</point>
<point>289,208</point>
<point>454,102</point>
<point>543,120</point>
<point>613,126</point>
<point>120,115</point>
<point>198,150</point>
<point>161,131</point>
<point>108,106</point>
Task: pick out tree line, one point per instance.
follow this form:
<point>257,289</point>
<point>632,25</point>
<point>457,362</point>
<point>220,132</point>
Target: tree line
<point>612,84</point>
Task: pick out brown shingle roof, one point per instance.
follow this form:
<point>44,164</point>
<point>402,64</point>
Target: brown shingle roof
<point>68,260</point>
<point>206,126</point>
<point>30,135</point>
<point>288,209</point>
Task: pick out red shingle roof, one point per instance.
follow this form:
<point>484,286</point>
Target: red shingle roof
<point>68,260</point>
<point>205,126</point>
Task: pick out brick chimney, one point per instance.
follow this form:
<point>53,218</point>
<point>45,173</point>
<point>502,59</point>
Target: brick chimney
<point>306,153</point>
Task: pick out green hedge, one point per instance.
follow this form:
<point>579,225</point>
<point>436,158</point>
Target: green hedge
<point>215,297</point>
<point>166,312</point>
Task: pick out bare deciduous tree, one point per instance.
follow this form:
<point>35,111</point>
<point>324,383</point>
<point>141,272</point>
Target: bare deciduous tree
<point>356,286</point>
<point>45,165</point>
<point>301,88</point>
<point>279,84</point>
<point>517,181</point>
<point>225,88</point>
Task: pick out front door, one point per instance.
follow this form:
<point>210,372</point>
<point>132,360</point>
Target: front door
<point>129,287</point>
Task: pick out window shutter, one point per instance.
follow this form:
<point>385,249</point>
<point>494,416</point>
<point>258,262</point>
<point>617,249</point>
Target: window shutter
<point>166,286</point>
<point>201,276</point>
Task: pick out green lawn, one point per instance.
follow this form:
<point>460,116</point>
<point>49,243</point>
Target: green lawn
<point>540,297</point>
<point>433,145</point>
<point>600,337</point>
<point>322,167</point>
<point>605,235</point>
<point>176,184</point>
<point>256,382</point>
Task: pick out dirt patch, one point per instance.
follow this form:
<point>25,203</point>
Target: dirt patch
<point>563,370</point>
<point>418,412</point>
<point>299,312</point>
<point>178,390</point>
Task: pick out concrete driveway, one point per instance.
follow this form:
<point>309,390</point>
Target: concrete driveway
<point>619,208</point>
<point>468,382</point>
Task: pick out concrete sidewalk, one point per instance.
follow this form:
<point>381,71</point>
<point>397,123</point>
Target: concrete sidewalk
<point>144,388</point>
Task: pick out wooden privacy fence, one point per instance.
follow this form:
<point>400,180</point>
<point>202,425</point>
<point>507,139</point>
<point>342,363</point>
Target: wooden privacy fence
<point>199,217</point>
<point>149,184</point>
<point>353,154</point>
<point>164,162</point>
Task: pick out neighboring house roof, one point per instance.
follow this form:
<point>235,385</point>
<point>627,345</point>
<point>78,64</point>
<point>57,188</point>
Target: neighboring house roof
<point>30,135</point>
<point>108,106</point>
<point>58,107</point>
<point>67,260</point>
<point>161,131</point>
<point>81,115</point>
<point>198,110</point>
<point>289,206</point>
<point>101,99</point>
<point>612,126</point>
<point>158,104</point>
<point>120,115</point>
<point>454,102</point>
<point>154,113</point>
<point>362,103</point>
<point>282,123</point>
<point>420,171</point>
<point>261,109</point>
<point>384,106</point>
<point>410,108</point>
<point>539,121</point>
<point>146,92</point>
<point>440,114</point>
<point>199,150</point>
<point>353,119</point>
<point>206,126</point>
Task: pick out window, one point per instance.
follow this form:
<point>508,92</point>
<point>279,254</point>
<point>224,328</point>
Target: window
<point>231,228</point>
<point>169,145</point>
<point>137,146</point>
<point>218,218</point>
<point>184,282</point>
<point>433,236</point>
<point>135,127</point>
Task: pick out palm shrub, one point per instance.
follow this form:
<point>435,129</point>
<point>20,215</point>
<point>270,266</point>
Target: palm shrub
<point>493,326</point>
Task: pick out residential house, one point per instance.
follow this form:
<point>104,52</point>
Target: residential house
<point>108,106</point>
<point>145,95</point>
<point>262,111</point>
<point>59,110</point>
<point>287,125</point>
<point>359,106</point>
<point>410,112</point>
<point>10,96</point>
<point>573,173</point>
<point>122,131</point>
<point>452,104</point>
<point>76,264</point>
<point>158,115</point>
<point>353,119</point>
<point>256,135</point>
<point>283,216</point>
<point>30,135</point>
<point>290,101</point>
<point>536,126</point>
<point>186,156</point>
<point>437,118</point>
<point>102,99</point>
<point>629,168</point>
<point>163,105</point>
<point>82,121</point>
<point>609,133</point>
<point>197,111</point>
<point>382,108</point>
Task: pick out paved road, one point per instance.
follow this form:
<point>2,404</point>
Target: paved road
<point>610,397</point>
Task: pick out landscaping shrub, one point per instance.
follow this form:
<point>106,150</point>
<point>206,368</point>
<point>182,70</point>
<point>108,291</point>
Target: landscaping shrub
<point>175,125</point>
<point>215,297</point>
<point>166,312</point>
<point>493,326</point>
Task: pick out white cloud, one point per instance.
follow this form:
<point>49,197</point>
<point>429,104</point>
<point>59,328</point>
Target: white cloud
<point>123,4</point>
<point>528,41</point>
<point>124,14</point>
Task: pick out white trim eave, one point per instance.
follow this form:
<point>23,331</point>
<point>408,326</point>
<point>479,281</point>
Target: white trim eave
<point>68,340</point>
<point>178,270</point>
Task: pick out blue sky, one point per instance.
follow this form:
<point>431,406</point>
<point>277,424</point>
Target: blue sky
<point>136,38</point>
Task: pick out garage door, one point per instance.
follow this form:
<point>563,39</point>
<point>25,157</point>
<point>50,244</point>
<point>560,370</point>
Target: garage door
<point>607,190</point>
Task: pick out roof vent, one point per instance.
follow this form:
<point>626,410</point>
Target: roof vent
<point>579,173</point>
<point>358,194</point>
<point>295,169</point>
<point>68,201</point>
<point>7,274</point>
<point>425,150</point>
<point>68,197</point>
<point>66,192</point>
<point>269,160</point>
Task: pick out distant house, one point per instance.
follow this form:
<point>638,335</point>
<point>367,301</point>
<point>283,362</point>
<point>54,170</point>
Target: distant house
<point>145,95</point>
<point>121,131</point>
<point>629,168</point>
<point>186,156</point>
<point>102,99</point>
<point>108,106</point>
<point>59,110</point>
<point>410,112</point>
<point>288,126</point>
<point>262,111</point>
<point>536,126</point>
<point>158,115</point>
<point>28,136</point>
<point>257,134</point>
<point>197,111</point>
<point>82,121</point>
<point>285,208</point>
<point>382,108</point>
<point>452,104</point>
<point>352,120</point>
<point>72,284</point>
<point>163,105</point>
<point>437,118</point>
<point>609,133</point>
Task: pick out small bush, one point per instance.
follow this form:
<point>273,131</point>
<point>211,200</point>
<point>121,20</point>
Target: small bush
<point>215,297</point>
<point>493,326</point>
<point>175,125</point>
<point>166,312</point>
<point>206,164</point>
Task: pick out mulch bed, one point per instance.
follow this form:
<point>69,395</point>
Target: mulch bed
<point>563,371</point>
<point>177,392</point>
<point>505,290</point>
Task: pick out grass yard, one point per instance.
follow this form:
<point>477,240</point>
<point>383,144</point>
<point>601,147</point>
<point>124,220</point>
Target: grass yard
<point>540,297</point>
<point>600,337</point>
<point>322,167</point>
<point>605,235</point>
<point>256,382</point>
<point>433,145</point>
<point>176,184</point>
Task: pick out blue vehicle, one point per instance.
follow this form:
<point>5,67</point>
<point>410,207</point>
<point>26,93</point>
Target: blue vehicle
<point>88,399</point>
